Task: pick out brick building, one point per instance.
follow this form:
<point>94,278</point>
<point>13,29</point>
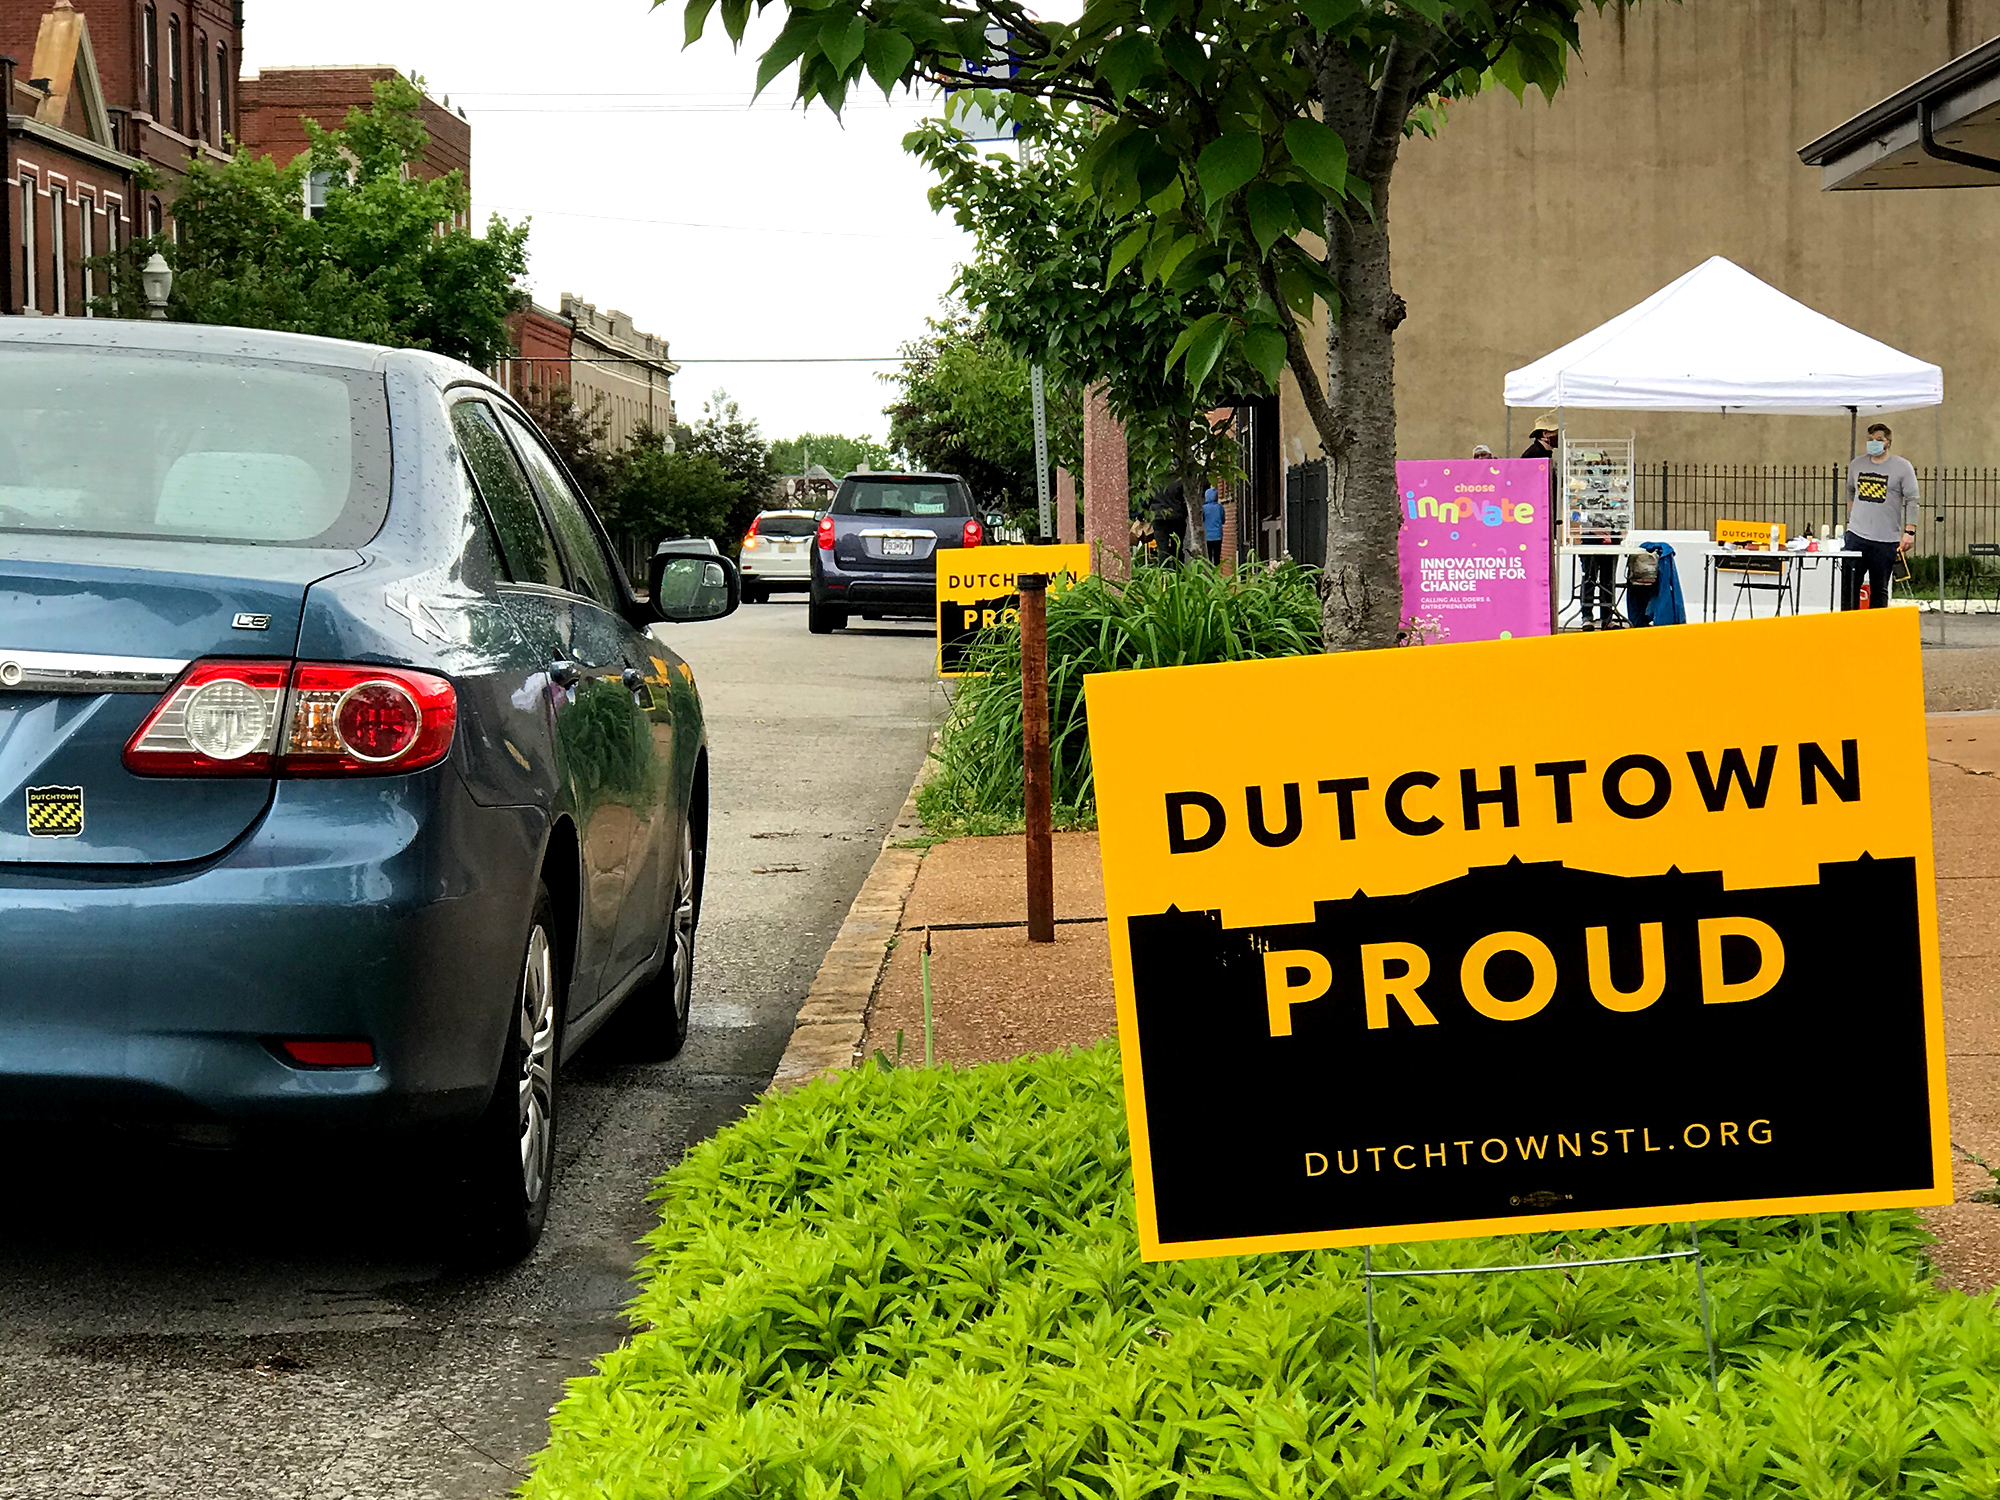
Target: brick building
<point>167,70</point>
<point>542,346</point>
<point>276,102</point>
<point>623,375</point>
<point>67,189</point>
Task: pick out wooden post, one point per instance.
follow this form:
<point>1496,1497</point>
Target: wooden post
<point>1035,788</point>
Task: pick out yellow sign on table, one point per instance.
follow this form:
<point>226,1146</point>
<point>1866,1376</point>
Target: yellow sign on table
<point>1417,944</point>
<point>977,591</point>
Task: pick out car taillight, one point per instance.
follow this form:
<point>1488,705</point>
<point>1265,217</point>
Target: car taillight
<point>233,718</point>
<point>974,533</point>
<point>750,536</point>
<point>220,719</point>
<point>826,533</point>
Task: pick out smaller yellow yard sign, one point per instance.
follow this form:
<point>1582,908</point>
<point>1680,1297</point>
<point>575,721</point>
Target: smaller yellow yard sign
<point>977,590</point>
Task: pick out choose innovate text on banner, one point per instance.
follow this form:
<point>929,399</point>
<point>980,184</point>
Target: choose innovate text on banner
<point>1431,943</point>
<point>1474,548</point>
<point>977,590</point>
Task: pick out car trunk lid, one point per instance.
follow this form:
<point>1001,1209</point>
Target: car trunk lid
<point>92,632</point>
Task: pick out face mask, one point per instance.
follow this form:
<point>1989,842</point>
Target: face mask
<point>1876,447</point>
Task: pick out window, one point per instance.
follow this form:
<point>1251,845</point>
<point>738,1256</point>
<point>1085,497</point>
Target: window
<point>114,235</point>
<point>153,221</point>
<point>221,94</point>
<point>316,185</point>
<point>59,249</point>
<point>30,291</point>
<point>524,536</point>
<point>205,119</point>
<point>579,537</point>
<point>86,250</point>
<point>223,449</point>
<point>174,106</point>
<point>149,59</point>
<point>884,496</point>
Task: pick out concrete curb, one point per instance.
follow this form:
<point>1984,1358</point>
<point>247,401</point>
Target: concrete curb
<point>827,1035</point>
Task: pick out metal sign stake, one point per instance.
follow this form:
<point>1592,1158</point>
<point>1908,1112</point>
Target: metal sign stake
<point>1044,524</point>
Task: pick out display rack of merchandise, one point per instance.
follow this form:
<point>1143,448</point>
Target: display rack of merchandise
<point>1597,481</point>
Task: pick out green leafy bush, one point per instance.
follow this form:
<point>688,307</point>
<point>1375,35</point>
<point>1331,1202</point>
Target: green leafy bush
<point>926,1283</point>
<point>1161,617</point>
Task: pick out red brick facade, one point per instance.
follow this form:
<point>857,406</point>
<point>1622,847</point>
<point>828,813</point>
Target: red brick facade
<point>276,102</point>
<point>67,194</point>
<point>542,341</point>
<point>170,72</point>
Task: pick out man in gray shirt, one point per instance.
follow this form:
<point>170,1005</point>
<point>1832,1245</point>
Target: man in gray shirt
<point>1881,518</point>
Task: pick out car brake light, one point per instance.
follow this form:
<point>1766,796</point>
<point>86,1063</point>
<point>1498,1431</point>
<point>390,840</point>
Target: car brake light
<point>826,533</point>
<point>226,718</point>
<point>220,719</point>
<point>753,528</point>
<point>312,1053</point>
<point>974,533</point>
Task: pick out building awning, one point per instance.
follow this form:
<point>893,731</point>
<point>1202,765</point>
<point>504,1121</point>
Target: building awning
<point>1943,131</point>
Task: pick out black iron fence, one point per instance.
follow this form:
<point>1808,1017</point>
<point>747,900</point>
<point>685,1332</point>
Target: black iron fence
<point>1959,514</point>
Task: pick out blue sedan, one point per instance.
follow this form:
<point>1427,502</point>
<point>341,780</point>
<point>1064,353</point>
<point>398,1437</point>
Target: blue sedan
<point>342,784</point>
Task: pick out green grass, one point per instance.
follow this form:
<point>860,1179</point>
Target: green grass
<point>1162,617</point>
<point>926,1283</point>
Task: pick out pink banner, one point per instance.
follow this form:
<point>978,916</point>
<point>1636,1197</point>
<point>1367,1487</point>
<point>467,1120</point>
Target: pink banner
<point>1474,548</point>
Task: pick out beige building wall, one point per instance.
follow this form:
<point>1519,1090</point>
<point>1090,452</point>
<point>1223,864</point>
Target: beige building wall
<point>627,371</point>
<point>1523,225</point>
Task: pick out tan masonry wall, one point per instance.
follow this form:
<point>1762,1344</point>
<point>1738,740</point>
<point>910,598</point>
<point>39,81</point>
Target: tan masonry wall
<point>1522,226</point>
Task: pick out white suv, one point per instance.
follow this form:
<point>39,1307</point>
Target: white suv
<point>777,554</point>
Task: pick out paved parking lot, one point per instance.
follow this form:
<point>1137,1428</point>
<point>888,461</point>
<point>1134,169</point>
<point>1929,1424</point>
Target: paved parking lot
<point>183,1322</point>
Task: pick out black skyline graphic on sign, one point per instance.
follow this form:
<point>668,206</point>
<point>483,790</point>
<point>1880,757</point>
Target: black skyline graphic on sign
<point>1832,1058</point>
<point>955,638</point>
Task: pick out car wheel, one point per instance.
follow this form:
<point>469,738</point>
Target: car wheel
<point>653,1020</point>
<point>871,614</point>
<point>823,618</point>
<point>510,1159</point>
<point>754,593</point>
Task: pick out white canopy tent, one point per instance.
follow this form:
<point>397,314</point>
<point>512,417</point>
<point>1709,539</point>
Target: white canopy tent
<point>1720,340</point>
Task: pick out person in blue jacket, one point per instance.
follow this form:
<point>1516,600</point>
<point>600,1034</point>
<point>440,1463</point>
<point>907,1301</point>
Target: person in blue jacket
<point>1211,524</point>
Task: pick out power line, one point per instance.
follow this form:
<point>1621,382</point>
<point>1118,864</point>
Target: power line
<point>784,229</point>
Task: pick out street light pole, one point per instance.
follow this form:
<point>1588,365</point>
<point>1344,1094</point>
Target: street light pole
<point>157,282</point>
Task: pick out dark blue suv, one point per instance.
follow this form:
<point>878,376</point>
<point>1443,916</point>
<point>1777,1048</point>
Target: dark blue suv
<point>342,784</point>
<point>878,545</point>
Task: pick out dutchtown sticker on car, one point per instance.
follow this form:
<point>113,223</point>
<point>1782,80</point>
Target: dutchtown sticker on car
<point>55,812</point>
<point>1511,935</point>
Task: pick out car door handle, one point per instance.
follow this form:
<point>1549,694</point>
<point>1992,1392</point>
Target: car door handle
<point>634,679</point>
<point>565,673</point>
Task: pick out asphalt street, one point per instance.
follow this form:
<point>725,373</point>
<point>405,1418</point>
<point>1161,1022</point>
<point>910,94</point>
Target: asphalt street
<point>178,1321</point>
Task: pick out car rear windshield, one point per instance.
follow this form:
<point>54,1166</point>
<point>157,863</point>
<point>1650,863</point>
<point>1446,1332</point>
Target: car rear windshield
<point>143,444</point>
<point>901,497</point>
<point>786,525</point>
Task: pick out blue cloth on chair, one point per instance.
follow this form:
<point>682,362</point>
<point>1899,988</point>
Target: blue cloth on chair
<point>1663,603</point>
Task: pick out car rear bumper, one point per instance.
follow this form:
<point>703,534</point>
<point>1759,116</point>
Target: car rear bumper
<point>388,909</point>
<point>777,570</point>
<point>849,585</point>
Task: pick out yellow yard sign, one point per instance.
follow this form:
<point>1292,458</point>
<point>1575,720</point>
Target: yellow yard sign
<point>976,591</point>
<point>1522,935</point>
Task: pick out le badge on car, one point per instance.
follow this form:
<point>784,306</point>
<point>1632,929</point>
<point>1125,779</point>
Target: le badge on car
<point>250,622</point>
<point>55,812</point>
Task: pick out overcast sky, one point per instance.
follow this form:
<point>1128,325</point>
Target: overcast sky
<point>737,233</point>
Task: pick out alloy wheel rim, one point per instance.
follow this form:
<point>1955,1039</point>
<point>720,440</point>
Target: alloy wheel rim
<point>684,924</point>
<point>537,1081</point>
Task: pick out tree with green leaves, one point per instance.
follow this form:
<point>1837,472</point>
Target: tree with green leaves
<point>654,492</point>
<point>1042,282</point>
<point>740,451</point>
<point>964,405</point>
<point>579,431</point>
<point>383,261</point>
<point>1259,137</point>
<point>833,452</point>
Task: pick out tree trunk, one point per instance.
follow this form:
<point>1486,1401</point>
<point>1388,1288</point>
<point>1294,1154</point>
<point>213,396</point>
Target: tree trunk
<point>1362,591</point>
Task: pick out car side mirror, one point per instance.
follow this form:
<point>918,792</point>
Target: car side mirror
<point>690,586</point>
